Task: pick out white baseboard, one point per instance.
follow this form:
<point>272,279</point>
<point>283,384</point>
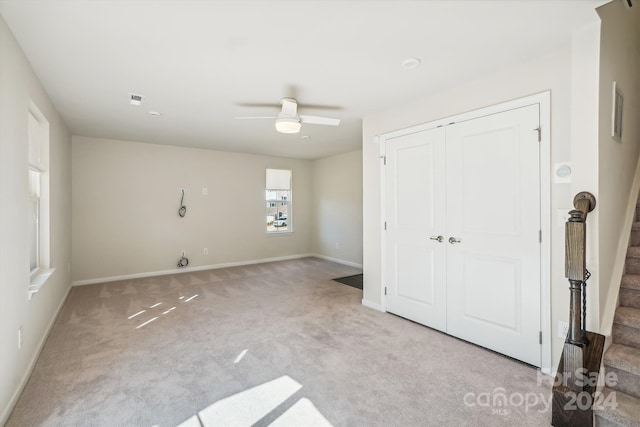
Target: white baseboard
<point>187,269</point>
<point>372,305</point>
<point>32,363</point>
<point>339,261</point>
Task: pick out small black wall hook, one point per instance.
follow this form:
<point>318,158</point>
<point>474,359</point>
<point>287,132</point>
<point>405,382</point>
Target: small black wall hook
<point>183,209</point>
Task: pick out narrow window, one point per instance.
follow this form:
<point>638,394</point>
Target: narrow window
<point>38,178</point>
<point>34,219</point>
<point>278,198</point>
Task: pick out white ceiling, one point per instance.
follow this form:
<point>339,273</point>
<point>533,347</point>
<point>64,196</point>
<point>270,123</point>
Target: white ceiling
<point>197,61</point>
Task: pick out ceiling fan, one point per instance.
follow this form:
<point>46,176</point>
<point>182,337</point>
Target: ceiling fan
<point>289,121</point>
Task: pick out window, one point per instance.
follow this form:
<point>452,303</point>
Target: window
<point>38,178</point>
<point>34,218</point>
<point>278,198</point>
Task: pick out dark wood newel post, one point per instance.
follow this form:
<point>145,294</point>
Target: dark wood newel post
<point>575,266</point>
<point>582,351</point>
<point>575,260</point>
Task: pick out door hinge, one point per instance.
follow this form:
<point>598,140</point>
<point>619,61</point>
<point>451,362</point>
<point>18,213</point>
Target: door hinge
<point>540,337</point>
<point>384,160</point>
<point>385,226</point>
<point>539,130</point>
<point>385,290</point>
<point>540,236</point>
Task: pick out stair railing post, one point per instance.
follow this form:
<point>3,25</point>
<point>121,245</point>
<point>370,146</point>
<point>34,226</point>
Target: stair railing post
<point>575,268</point>
<point>575,260</point>
<point>582,351</point>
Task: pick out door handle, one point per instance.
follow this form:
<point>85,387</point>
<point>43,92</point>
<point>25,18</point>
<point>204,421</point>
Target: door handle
<point>454,240</point>
<point>438,238</point>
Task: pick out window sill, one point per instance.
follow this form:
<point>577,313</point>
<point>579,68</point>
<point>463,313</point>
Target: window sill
<point>38,279</point>
<point>278,233</point>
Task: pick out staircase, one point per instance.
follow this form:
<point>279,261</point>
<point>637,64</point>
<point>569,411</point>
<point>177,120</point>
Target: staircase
<point>623,357</point>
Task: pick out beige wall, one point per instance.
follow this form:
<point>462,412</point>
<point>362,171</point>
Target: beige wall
<point>18,86</point>
<point>337,207</point>
<point>126,197</point>
<point>556,72</point>
<point>620,62</point>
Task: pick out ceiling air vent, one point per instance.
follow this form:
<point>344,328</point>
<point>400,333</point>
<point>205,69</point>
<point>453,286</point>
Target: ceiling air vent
<point>135,99</point>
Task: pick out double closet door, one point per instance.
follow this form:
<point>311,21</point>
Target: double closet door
<point>462,248</point>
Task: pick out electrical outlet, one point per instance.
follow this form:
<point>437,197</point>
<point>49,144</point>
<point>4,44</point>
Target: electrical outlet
<point>205,251</point>
<point>563,329</point>
<point>19,337</point>
<point>205,191</point>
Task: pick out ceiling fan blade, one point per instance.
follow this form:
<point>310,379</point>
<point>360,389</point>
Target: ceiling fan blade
<point>279,105</point>
<point>265,117</point>
<point>289,107</point>
<point>315,120</point>
<point>321,107</point>
<point>258,104</point>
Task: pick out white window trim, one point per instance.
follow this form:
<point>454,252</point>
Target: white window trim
<point>277,182</point>
<point>39,277</point>
<point>279,202</point>
<point>41,274</point>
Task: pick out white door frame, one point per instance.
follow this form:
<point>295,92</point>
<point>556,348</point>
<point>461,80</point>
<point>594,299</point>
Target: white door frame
<point>544,100</point>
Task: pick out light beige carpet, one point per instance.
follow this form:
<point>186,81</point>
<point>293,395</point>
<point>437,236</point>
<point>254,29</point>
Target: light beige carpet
<point>271,344</point>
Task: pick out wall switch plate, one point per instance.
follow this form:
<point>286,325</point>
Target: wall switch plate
<point>20,338</point>
<point>205,191</point>
<point>205,251</point>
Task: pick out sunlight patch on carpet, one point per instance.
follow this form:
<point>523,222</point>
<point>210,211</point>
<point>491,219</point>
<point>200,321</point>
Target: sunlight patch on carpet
<point>302,413</point>
<point>241,355</point>
<point>249,406</point>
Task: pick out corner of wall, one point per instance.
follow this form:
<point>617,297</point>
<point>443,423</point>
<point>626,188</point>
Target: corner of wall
<point>337,207</point>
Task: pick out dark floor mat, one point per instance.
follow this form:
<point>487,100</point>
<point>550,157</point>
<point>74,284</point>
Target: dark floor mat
<point>354,281</point>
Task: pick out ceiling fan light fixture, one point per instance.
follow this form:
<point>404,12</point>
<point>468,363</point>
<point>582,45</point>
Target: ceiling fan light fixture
<point>287,125</point>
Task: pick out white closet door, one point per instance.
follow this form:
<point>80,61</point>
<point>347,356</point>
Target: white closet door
<point>493,208</point>
<point>415,208</point>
